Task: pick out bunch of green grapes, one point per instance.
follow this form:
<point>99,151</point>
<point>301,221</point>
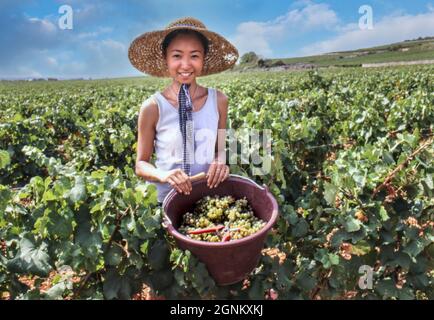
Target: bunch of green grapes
<point>218,218</point>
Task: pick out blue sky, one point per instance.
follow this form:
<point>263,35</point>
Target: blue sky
<point>33,45</point>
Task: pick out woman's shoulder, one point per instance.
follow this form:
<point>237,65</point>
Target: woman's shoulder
<point>221,97</point>
<point>149,109</point>
<point>149,103</point>
<point>222,101</point>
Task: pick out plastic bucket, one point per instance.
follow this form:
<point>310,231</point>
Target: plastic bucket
<point>227,262</point>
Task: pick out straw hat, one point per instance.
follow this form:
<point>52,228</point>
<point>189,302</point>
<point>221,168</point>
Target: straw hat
<point>146,53</point>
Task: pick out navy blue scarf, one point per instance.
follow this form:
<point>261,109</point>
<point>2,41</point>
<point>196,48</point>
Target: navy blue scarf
<point>186,126</point>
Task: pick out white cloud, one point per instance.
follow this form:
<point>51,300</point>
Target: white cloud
<point>310,17</point>
<point>23,71</point>
<point>34,46</point>
<point>389,29</point>
<point>23,38</point>
<point>50,61</point>
<point>43,26</point>
<point>103,47</point>
<point>251,36</point>
<point>94,34</point>
<point>258,36</point>
<point>105,57</point>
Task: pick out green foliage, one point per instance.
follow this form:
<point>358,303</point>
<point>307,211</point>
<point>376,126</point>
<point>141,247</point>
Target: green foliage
<point>249,58</point>
<point>352,171</point>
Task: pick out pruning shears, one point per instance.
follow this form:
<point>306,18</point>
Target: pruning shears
<point>224,231</point>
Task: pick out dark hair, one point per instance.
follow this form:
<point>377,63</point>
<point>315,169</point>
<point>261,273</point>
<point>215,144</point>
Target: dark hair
<point>168,39</point>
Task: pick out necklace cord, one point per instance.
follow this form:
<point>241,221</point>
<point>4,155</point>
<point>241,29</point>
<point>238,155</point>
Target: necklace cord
<point>177,95</point>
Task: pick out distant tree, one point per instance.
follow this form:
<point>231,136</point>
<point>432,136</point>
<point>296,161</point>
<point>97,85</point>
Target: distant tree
<point>249,57</point>
<point>261,63</point>
<point>279,63</point>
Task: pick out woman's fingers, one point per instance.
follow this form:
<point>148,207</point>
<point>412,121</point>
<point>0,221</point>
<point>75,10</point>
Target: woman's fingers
<point>187,181</point>
<point>219,175</point>
<point>179,183</point>
<point>213,177</point>
<point>183,178</point>
<point>223,174</point>
<point>172,182</point>
<point>218,172</point>
<point>226,173</point>
<point>211,173</point>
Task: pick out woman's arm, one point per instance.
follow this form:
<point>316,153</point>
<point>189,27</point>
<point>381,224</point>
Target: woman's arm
<point>148,118</point>
<point>222,103</point>
<point>147,122</point>
<point>218,170</point>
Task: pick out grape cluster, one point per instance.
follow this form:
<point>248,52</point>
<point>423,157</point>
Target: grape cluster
<point>235,215</point>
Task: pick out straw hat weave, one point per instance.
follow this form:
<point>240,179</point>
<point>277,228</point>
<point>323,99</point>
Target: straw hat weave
<point>146,53</point>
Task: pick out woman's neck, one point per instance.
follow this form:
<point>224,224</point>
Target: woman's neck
<point>176,86</point>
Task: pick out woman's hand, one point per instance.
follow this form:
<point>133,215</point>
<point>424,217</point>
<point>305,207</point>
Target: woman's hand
<point>217,173</point>
<point>178,179</point>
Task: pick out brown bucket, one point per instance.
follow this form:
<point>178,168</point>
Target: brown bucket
<point>227,262</point>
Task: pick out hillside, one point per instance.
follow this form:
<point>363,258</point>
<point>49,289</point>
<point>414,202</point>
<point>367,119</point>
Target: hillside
<point>409,50</point>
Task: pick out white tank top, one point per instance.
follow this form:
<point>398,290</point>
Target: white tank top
<point>168,138</point>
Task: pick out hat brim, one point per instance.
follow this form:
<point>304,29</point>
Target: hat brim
<point>145,52</point>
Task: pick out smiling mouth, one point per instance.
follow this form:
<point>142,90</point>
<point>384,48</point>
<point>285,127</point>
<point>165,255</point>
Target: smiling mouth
<point>185,74</point>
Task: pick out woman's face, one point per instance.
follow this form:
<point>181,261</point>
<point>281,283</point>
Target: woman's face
<point>185,58</point>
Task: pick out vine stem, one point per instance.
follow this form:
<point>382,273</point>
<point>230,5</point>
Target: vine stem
<point>350,196</point>
<point>118,226</point>
<point>109,243</point>
<point>401,166</point>
<point>321,284</point>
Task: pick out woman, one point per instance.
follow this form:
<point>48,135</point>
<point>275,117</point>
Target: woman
<point>185,122</point>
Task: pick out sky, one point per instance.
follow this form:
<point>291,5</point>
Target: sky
<point>33,44</point>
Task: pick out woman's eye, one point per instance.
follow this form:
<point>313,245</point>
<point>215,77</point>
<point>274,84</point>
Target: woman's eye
<point>176,56</point>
